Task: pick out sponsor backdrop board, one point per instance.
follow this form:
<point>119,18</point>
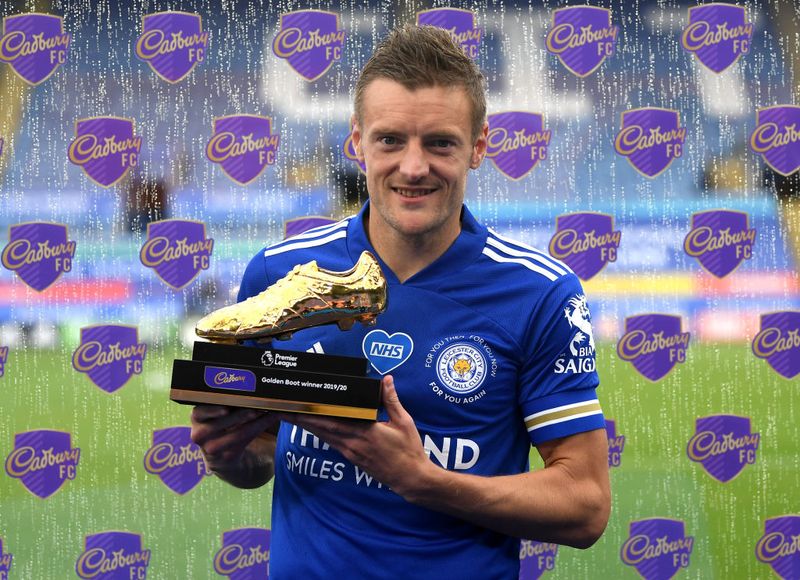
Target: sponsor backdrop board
<point>146,155</point>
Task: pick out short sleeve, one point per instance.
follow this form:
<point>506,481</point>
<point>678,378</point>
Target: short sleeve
<point>558,380</point>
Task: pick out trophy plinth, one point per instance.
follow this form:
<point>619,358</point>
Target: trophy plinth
<point>298,382</point>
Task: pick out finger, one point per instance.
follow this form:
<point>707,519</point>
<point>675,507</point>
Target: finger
<point>203,413</point>
<point>391,402</point>
<point>234,441</point>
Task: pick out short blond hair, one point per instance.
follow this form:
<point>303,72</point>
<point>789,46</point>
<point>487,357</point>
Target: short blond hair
<point>424,56</point>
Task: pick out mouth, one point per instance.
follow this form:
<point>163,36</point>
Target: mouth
<point>412,192</point>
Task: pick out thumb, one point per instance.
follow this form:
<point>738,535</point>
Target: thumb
<point>391,402</point>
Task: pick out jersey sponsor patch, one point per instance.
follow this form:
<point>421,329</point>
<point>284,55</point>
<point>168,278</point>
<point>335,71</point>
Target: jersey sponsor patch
<point>580,358</point>
<point>385,351</point>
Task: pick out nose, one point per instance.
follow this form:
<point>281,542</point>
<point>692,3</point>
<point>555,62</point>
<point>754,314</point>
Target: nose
<point>414,164</point>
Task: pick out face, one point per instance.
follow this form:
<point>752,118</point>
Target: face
<point>418,148</point>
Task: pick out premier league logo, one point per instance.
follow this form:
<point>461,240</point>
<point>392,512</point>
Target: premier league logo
<point>517,142</point>
<point>780,546</point>
<point>35,45</point>
<point>350,152</point>
<point>105,148</point>
<point>109,355</point>
<point>39,253</point>
<point>113,556</point>
<point>243,146</point>
<point>723,445</point>
<point>777,137</point>
<point>616,443</point>
<point>244,554</point>
<point>536,558</point>
<point>778,342</point>
<point>43,461</point>
<point>177,250</point>
<point>650,139</point>
<point>657,548</point>
<point>717,35</point>
<point>5,561</point>
<point>586,242</point>
<point>310,41</point>
<point>175,459</point>
<point>172,43</point>
<point>582,37</point>
<point>654,344</point>
<point>720,240</point>
<point>460,24</point>
<point>298,225</point>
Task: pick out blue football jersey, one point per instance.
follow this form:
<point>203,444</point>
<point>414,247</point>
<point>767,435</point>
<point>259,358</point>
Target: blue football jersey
<point>491,349</point>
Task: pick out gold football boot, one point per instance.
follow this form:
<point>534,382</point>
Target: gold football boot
<point>307,296</point>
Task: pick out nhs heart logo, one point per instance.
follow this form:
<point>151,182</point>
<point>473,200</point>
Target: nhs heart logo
<point>387,352</point>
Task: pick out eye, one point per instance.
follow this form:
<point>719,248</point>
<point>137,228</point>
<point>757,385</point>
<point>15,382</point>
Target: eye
<point>443,143</point>
<point>388,140</point>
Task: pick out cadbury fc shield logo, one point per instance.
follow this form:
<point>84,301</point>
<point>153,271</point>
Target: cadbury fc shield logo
<point>175,459</point>
<point>536,558</point>
<point>586,242</point>
<point>177,250</point>
<point>717,35</point>
<point>777,137</point>
<point>109,355</point>
<point>723,445</point>
<point>244,554</point>
<point>650,139</point>
<point>43,461</point>
<point>720,240</point>
<point>517,142</point>
<point>657,547</point>
<point>113,556</point>
<point>172,43</point>
<point>582,37</point>
<point>5,561</point>
<point>243,146</point>
<point>309,40</point>
<point>616,443</point>
<point>105,148</point>
<point>654,344</point>
<point>35,45</point>
<point>778,342</point>
<point>460,24</point>
<point>779,547</point>
<point>39,253</point>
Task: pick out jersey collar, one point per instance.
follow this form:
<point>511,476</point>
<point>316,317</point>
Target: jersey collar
<point>461,254</point>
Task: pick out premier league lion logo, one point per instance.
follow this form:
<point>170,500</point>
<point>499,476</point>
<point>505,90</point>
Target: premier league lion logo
<point>577,314</point>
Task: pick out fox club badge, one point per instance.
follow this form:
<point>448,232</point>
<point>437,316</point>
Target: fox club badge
<point>517,142</point>
<point>582,37</point>
<point>717,34</point>
<point>172,44</point>
<point>310,41</point>
<point>106,148</point>
<point>650,138</point>
<point>35,45</point>
<point>38,252</point>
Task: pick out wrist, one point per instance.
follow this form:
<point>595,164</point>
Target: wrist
<point>422,487</point>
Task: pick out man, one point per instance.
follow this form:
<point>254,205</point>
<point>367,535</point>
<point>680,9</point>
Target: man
<point>476,324</point>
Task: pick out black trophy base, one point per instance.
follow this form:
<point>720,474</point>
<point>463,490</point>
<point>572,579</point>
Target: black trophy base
<point>295,382</point>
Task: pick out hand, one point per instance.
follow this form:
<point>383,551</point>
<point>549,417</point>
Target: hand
<point>224,433</point>
<point>391,452</point>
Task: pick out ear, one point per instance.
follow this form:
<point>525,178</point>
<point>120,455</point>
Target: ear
<point>479,148</point>
<point>355,132</point>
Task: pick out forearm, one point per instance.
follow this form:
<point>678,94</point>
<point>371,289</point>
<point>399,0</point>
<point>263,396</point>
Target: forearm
<point>254,468</point>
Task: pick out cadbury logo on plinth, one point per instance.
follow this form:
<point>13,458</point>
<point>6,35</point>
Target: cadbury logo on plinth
<point>176,459</point>
<point>43,461</point>
<point>105,148</point>
<point>777,137</point>
<point>616,443</point>
<point>38,252</point>
<point>172,43</point>
<point>109,355</point>
<point>459,24</point>
<point>177,250</point>
<point>310,41</point>
<point>654,344</point>
<point>650,138</point>
<point>779,547</point>
<point>717,35</point>
<point>113,556</point>
<point>243,146</point>
<point>778,342</point>
<point>657,547</point>
<point>35,45</point>
<point>586,242</point>
<point>517,142</point>
<point>720,240</point>
<point>723,445</point>
<point>582,37</point>
<point>536,558</point>
<point>244,554</point>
